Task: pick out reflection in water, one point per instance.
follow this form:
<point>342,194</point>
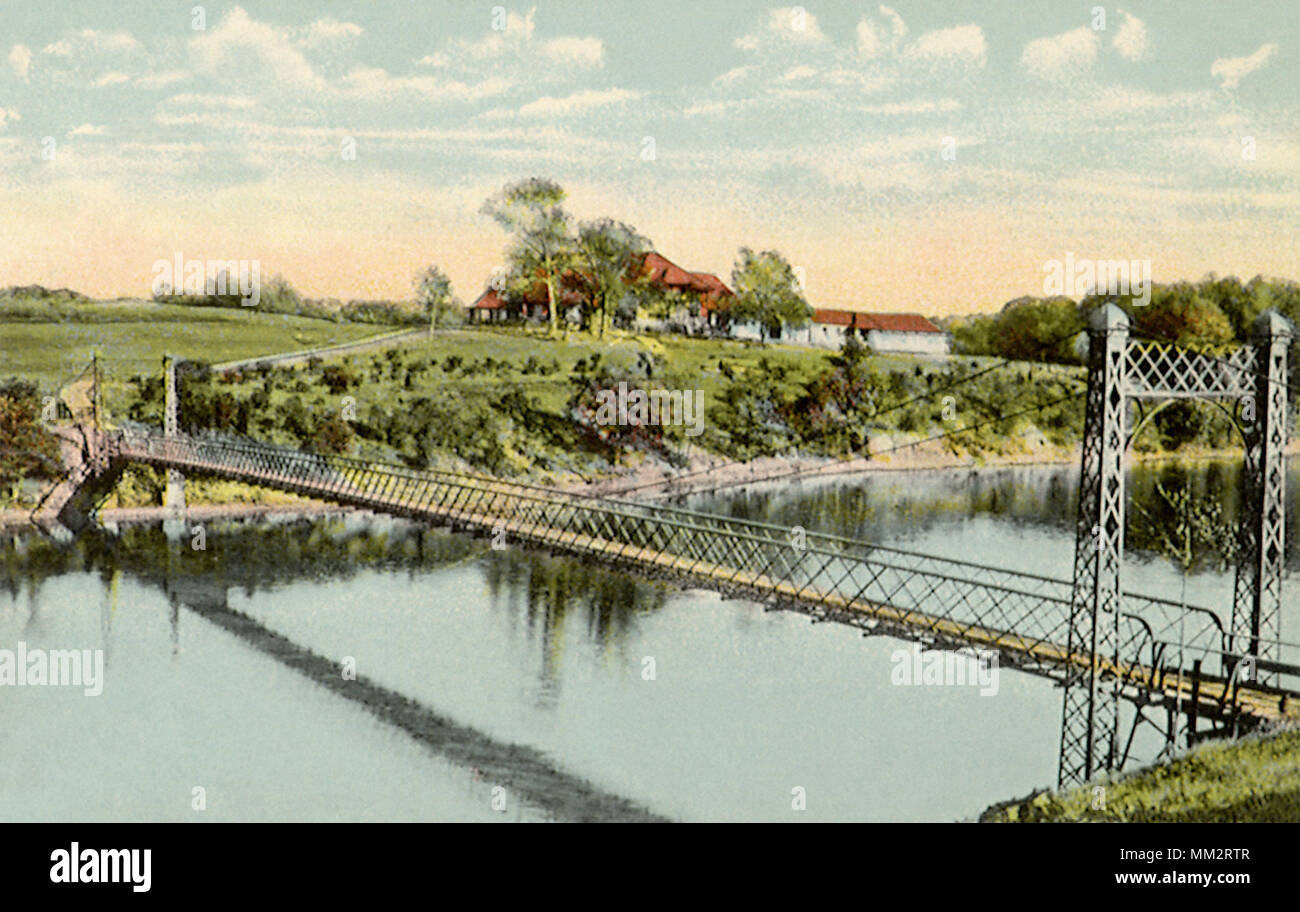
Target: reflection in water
<point>899,506</point>
<point>519,648</point>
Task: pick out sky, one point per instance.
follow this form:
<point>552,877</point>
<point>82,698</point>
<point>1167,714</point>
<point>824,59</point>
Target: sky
<point>919,156</point>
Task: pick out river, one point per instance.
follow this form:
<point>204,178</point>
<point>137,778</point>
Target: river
<point>517,686</point>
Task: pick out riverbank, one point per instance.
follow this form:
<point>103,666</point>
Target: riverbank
<point>1255,780</point>
<point>708,473</point>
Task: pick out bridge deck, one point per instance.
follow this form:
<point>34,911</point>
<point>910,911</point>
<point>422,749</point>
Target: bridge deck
<point>1025,618</point>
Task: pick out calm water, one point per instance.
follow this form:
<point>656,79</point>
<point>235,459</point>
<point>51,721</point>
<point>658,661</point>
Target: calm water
<point>508,686</point>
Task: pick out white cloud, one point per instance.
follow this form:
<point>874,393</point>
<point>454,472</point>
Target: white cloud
<point>241,50</point>
<point>875,39</point>
<point>258,59</point>
<point>796,73</point>
<point>89,130</point>
<point>962,44</point>
<point>161,80</point>
<point>735,75</point>
<point>92,58</point>
<point>1061,58</point>
<point>374,82</point>
<point>920,106</point>
<point>1131,38</point>
<point>113,77</point>
<point>572,51</point>
<point>86,41</point>
<point>227,102</point>
<point>329,31</point>
<point>514,52</point>
<point>576,103</point>
<point>20,61</point>
<point>1230,71</point>
<point>786,27</point>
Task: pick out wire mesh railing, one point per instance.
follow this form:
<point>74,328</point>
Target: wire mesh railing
<point>1024,616</point>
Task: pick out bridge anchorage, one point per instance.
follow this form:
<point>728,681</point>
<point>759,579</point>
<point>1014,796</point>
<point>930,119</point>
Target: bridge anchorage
<point>1101,642</point>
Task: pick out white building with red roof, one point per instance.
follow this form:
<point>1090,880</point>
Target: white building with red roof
<point>884,332</point>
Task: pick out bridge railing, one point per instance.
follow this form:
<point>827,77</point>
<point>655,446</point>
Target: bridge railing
<point>954,600</point>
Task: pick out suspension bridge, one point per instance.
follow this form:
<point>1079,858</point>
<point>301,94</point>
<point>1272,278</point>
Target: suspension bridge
<point>1177,666</point>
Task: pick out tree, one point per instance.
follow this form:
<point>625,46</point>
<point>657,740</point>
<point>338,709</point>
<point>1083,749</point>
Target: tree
<point>531,211</point>
<point>433,293</point>
<point>767,292</point>
<point>610,254</point>
<point>27,450</point>
<point>1184,316</point>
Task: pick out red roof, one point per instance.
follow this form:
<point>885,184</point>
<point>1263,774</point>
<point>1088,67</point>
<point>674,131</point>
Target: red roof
<point>882,322</point>
<point>660,270</point>
<point>489,300</point>
<point>664,272</point>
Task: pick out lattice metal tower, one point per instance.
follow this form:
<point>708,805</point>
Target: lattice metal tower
<point>1119,371</point>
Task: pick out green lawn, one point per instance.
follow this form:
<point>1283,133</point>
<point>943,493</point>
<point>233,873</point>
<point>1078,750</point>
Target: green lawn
<point>132,337</point>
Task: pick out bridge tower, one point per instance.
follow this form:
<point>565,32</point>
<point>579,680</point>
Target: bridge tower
<point>1121,371</point>
<point>174,497</point>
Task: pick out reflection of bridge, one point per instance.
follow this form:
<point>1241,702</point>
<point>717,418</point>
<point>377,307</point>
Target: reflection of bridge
<point>947,603</point>
<point>1101,642</point>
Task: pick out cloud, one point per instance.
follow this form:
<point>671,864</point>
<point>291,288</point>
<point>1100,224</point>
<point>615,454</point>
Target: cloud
<point>515,53</point>
<point>572,51</point>
<point>113,77</point>
<point>89,130</point>
<point>783,28</point>
<point>576,103</point>
<point>876,40</point>
<point>1131,40</point>
<point>1230,71</point>
<point>962,45</point>
<point>161,80</point>
<point>328,32</point>
<point>89,41</point>
<point>209,102</point>
<point>917,106</point>
<point>241,50</point>
<point>91,58</point>
<point>259,59</point>
<point>1061,58</point>
<point>374,82</point>
<point>20,61</point>
<point>886,41</point>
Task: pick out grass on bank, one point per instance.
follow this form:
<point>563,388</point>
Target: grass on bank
<point>1255,780</point>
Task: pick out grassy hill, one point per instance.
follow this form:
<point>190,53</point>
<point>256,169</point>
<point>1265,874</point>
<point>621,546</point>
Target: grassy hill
<point>50,341</point>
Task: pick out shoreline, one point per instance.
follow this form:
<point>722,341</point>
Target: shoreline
<point>709,474</point>
<point>704,474</point>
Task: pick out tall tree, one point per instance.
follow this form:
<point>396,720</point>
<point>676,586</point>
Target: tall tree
<point>767,292</point>
<point>433,292</point>
<point>531,211</point>
<point>610,255</point>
